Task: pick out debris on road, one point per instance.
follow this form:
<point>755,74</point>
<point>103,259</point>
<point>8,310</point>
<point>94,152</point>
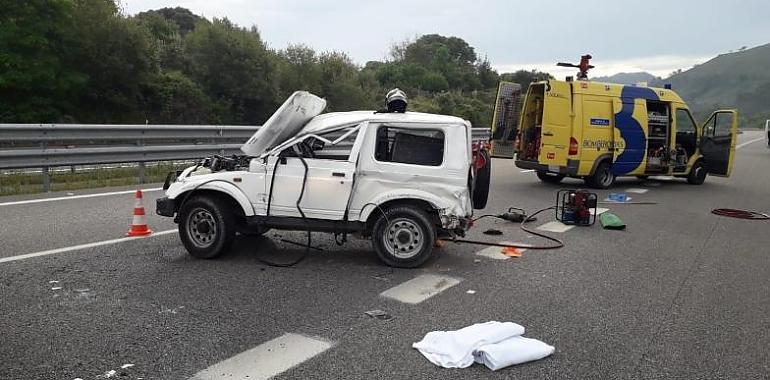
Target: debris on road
<point>124,366</point>
<point>618,197</point>
<point>379,314</point>
<point>611,221</point>
<point>56,288</point>
<point>494,344</point>
<point>493,232</point>
<point>470,291</point>
<point>511,252</point>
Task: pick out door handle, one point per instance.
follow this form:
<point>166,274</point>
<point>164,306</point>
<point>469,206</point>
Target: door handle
<point>549,134</point>
<point>338,174</point>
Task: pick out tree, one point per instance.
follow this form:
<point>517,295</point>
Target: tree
<point>234,69</point>
<point>115,54</point>
<point>173,98</point>
<point>35,80</point>
<point>525,77</point>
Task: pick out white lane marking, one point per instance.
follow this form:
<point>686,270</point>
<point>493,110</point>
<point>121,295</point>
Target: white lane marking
<point>79,247</point>
<point>420,288</point>
<point>739,146</point>
<point>599,210</point>
<point>41,200</point>
<point>637,190</point>
<point>528,170</point>
<point>496,253</point>
<point>266,360</point>
<point>555,226</point>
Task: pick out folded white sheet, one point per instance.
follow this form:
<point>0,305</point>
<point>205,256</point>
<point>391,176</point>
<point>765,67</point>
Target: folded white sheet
<point>512,351</point>
<point>454,349</point>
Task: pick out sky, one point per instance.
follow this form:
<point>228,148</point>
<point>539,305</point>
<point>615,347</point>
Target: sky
<point>656,36</point>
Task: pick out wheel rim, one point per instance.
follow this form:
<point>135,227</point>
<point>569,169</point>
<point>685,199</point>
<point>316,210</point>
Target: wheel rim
<point>605,177</point>
<point>201,228</point>
<point>403,238</point>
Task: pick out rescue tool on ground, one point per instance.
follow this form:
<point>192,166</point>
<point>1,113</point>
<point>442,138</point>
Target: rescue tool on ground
<point>405,179</point>
<point>601,131</point>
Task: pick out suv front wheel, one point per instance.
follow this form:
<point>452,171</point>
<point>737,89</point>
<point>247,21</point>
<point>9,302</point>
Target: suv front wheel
<point>403,237</point>
<point>206,227</point>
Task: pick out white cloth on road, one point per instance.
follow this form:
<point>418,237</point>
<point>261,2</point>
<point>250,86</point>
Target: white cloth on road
<point>454,349</point>
<point>512,351</point>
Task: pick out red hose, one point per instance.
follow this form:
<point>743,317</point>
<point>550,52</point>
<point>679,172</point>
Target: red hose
<point>740,214</point>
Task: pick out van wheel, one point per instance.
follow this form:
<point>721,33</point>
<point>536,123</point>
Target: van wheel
<point>206,227</point>
<point>697,174</point>
<point>550,177</point>
<point>481,187</point>
<point>603,178</point>
<point>404,237</point>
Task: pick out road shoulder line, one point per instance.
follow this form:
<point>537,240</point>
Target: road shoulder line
<point>79,247</point>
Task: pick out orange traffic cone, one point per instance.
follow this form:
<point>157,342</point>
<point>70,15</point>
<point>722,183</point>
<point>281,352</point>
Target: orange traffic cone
<point>139,223</point>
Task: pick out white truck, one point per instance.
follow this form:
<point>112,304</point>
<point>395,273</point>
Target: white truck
<point>404,179</point>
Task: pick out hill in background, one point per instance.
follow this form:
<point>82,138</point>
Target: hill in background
<point>735,80</point>
<point>628,78</point>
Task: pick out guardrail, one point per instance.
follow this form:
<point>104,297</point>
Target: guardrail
<point>51,145</point>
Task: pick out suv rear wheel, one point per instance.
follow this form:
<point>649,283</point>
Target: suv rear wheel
<point>404,237</point>
<point>206,227</point>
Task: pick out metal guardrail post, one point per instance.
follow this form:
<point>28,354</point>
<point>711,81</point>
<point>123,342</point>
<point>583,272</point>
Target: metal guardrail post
<point>46,180</point>
<point>142,166</point>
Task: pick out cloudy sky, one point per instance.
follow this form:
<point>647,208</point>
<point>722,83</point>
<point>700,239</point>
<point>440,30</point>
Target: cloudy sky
<point>657,36</point>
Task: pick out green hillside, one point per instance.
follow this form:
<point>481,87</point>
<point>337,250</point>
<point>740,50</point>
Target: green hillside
<point>627,78</point>
<point>735,80</point>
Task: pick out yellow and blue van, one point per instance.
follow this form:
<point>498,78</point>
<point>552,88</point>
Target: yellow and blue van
<point>600,131</point>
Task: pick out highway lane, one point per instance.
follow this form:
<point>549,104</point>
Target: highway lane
<point>680,294</point>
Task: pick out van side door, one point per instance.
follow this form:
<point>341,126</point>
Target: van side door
<point>718,142</point>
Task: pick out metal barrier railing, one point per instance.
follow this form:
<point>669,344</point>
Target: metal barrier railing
<point>44,146</point>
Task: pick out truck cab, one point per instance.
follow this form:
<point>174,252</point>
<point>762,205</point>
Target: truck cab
<point>404,179</point>
<point>600,131</point>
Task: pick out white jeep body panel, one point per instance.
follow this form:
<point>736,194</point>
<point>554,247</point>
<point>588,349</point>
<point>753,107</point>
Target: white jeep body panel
<point>351,189</point>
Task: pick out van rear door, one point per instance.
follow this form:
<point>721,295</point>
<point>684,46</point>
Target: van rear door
<point>557,126</point>
<point>505,121</point>
<point>718,143</point>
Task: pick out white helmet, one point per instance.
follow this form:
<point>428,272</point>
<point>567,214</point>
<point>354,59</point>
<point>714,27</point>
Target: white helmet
<point>395,100</point>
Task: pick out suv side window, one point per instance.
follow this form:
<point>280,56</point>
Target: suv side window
<point>409,146</point>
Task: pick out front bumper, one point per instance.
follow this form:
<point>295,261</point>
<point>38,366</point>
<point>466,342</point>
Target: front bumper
<point>165,206</point>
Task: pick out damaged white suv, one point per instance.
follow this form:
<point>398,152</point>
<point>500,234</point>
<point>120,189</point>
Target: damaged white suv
<point>404,179</point>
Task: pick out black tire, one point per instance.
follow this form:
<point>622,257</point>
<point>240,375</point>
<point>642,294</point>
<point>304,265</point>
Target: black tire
<point>206,227</point>
<point>549,177</point>
<point>603,178</point>
<point>697,174</point>
<point>404,237</point>
<point>481,187</point>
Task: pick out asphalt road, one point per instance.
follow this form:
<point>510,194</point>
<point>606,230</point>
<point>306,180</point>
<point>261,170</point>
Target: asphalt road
<point>681,294</point>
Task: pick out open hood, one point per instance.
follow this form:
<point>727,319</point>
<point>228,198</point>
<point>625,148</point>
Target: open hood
<point>285,123</point>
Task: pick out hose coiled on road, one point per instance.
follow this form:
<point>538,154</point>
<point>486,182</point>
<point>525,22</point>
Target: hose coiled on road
<point>740,214</point>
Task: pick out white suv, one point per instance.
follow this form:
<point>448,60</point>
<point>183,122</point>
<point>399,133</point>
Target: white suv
<point>404,179</point>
